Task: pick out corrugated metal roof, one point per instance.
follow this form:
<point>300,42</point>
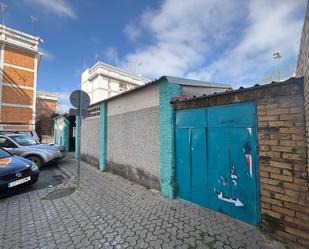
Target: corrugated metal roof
<point>170,79</point>
<point>240,89</point>
<point>190,82</point>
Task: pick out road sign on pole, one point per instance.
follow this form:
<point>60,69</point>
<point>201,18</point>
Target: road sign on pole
<point>75,112</point>
<point>81,101</point>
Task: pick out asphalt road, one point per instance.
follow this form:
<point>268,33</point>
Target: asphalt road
<point>50,175</point>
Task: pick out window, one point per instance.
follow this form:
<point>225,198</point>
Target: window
<point>94,112</point>
<point>24,140</point>
<point>6,143</point>
<point>4,154</point>
<point>123,86</point>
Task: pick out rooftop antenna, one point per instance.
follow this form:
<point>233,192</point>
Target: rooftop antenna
<point>96,57</point>
<point>2,6</point>
<point>277,56</point>
<point>135,68</point>
<point>139,69</point>
<point>115,56</point>
<point>128,63</point>
<point>34,20</point>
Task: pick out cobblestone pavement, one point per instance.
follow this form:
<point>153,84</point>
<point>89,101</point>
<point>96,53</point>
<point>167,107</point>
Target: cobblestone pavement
<point>111,212</point>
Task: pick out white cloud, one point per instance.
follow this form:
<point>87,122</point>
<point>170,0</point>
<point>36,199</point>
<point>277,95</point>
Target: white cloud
<point>47,55</point>
<point>270,29</point>
<point>131,31</point>
<point>63,104</point>
<point>182,32</point>
<point>230,40</point>
<point>58,7</point>
<point>110,53</point>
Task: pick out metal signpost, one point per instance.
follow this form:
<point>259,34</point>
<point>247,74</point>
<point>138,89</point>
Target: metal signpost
<point>81,101</point>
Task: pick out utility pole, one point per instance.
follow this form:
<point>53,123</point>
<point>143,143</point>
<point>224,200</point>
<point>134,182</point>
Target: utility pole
<point>80,114</point>
<point>139,73</point>
<point>2,6</point>
<point>277,56</point>
<point>81,101</point>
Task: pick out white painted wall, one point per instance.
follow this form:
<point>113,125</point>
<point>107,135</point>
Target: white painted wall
<point>59,132</point>
<point>142,99</point>
<point>133,141</point>
<point>90,139</point>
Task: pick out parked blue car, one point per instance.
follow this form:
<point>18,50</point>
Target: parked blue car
<point>16,172</point>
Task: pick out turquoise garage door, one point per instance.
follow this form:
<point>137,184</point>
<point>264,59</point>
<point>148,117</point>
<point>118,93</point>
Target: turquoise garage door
<point>217,161</point>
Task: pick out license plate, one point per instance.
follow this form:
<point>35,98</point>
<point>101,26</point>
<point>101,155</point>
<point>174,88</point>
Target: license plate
<point>20,181</point>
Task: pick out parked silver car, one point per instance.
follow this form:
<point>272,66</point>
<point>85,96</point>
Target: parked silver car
<point>31,133</point>
<point>27,147</point>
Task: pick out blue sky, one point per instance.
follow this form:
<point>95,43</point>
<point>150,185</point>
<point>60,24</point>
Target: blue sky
<point>229,41</point>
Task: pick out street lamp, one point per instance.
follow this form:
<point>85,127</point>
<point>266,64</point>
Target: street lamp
<point>277,56</point>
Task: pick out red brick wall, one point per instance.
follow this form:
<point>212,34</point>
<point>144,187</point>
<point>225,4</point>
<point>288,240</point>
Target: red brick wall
<point>19,58</point>
<point>12,114</point>
<point>303,70</point>
<point>18,76</point>
<point>45,106</point>
<point>282,155</point>
<point>17,95</point>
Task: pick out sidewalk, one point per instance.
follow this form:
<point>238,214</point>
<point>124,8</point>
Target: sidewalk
<point>111,212</point>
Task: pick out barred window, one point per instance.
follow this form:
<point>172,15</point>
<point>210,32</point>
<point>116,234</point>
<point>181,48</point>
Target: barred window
<point>95,111</point>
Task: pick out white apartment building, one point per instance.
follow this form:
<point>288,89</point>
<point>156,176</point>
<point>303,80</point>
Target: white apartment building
<point>103,81</point>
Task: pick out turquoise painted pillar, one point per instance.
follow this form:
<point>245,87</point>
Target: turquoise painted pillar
<point>76,135</point>
<point>103,140</point>
<point>55,130</point>
<point>167,147</point>
<point>66,134</point>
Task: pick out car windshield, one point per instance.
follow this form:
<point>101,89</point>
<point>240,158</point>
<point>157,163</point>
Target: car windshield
<point>4,154</point>
<point>23,140</point>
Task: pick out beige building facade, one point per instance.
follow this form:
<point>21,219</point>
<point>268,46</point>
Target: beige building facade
<point>46,103</point>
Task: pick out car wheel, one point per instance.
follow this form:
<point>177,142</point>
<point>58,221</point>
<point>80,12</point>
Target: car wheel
<point>36,160</point>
